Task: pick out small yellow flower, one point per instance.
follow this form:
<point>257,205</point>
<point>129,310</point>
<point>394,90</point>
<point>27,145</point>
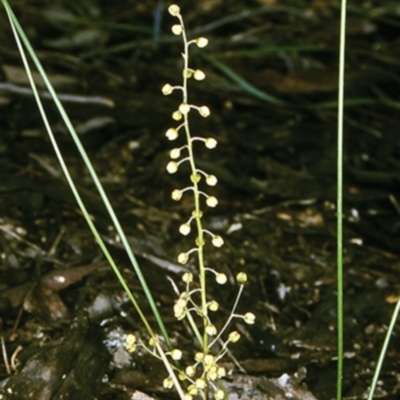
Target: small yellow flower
<point>192,390</point>
<point>217,241</point>
<point>181,376</point>
<point>172,167</point>
<point>234,336</point>
<point>212,374</point>
<point>249,318</point>
<point>241,277</point>
<point>171,134</point>
<point>213,305</point>
<point>201,383</point>
<point>190,371</point>
<point>174,10</point>
<point>187,277</point>
<point>199,75</point>
<point>221,278</point>
<point>179,311</point>
<point>219,394</point>
<point>199,357</point>
<point>211,201</point>
<point>211,180</point>
<point>208,360</point>
<point>183,258</point>
<point>210,143</point>
<point>204,111</point>
<point>184,108</point>
<point>177,29</point>
<point>177,115</point>
<point>187,396</point>
<point>201,42</point>
<point>176,354</point>
<point>221,372</point>
<point>153,341</point>
<point>175,153</point>
<point>184,229</point>
<point>211,330</point>
<point>176,194</point>
<point>167,89</point>
<point>168,383</point>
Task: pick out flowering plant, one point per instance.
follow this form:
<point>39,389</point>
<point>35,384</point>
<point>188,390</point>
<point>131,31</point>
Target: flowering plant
<point>193,304</point>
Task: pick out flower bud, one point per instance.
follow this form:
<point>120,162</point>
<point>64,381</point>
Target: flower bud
<point>204,111</point>
<point>184,229</point>
<point>211,201</point>
<point>234,336</point>
<point>176,354</point>
<point>184,108</point>
<point>176,195</point>
<point>221,278</point>
<point>171,134</point>
<point>174,10</point>
<point>153,341</point>
<point>213,305</point>
<point>249,318</point>
<point>187,277</point>
<point>199,357</point>
<point>211,330</point>
<point>241,277</point>
<point>177,115</point>
<point>221,372</point>
<point>167,89</point>
<point>168,383</point>
<point>211,180</point>
<point>199,75</point>
<point>177,29</point>
<point>172,167</point>
<point>217,241</point>
<point>192,390</point>
<point>179,311</point>
<point>183,258</point>
<point>201,42</point>
<point>175,153</point>
<point>209,360</point>
<point>210,143</point>
<point>212,373</point>
<point>190,371</point>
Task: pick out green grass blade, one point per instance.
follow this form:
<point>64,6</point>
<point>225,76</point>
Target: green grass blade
<point>340,201</point>
<point>259,94</point>
<point>384,349</point>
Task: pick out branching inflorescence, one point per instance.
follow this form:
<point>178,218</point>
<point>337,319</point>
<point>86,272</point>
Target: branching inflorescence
<point>203,374</point>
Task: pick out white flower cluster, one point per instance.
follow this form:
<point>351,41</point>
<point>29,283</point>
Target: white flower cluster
<point>173,133</point>
<point>193,303</point>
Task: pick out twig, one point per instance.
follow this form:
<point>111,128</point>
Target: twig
<point>64,97</point>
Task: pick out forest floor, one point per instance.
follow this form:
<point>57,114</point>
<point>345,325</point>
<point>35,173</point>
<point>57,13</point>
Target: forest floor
<point>271,85</point>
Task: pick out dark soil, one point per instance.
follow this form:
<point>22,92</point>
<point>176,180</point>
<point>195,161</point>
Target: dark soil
<point>272,89</point>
